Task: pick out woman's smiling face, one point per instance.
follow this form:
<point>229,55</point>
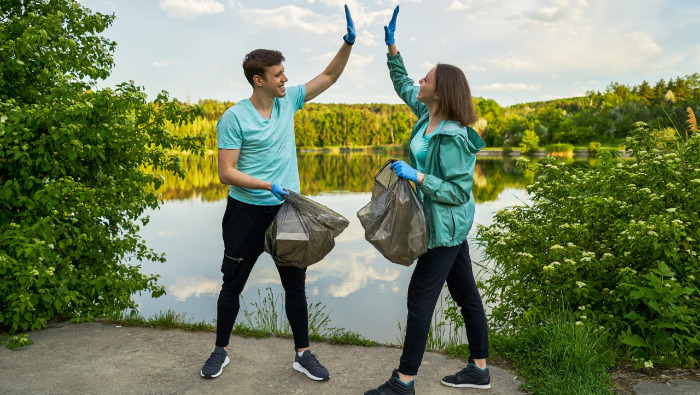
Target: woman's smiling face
<point>427,92</point>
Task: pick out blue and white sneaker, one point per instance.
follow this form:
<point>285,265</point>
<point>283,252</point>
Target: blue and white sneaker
<point>215,364</point>
<point>309,365</point>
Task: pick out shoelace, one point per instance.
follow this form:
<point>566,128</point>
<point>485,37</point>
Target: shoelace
<point>311,361</point>
<point>216,359</point>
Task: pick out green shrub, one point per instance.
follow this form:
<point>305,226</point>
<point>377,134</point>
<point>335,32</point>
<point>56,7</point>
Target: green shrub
<point>554,353</point>
<point>530,142</point>
<point>617,245</point>
<point>73,191</point>
<point>593,147</point>
<point>567,149</point>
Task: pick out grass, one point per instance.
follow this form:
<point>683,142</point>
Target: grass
<point>264,320</point>
<point>555,355</point>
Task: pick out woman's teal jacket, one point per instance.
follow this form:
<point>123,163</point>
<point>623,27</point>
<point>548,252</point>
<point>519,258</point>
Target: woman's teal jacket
<point>446,191</point>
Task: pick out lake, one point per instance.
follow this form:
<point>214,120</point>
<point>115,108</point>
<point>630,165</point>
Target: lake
<point>364,292</point>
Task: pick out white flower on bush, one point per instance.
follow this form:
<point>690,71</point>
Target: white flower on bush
<point>697,180</point>
<point>556,247</point>
<point>583,317</point>
<point>608,255</point>
<point>579,323</point>
<point>671,210</point>
<point>580,284</point>
<point>648,364</point>
<point>582,307</point>
<point>585,259</point>
<point>569,261</point>
<point>652,233</point>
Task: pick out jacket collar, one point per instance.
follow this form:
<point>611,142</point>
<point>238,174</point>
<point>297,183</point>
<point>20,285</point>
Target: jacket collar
<point>453,128</point>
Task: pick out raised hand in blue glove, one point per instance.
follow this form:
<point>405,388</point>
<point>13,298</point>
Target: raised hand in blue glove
<point>278,191</point>
<point>404,170</point>
<point>389,30</point>
<point>350,37</point>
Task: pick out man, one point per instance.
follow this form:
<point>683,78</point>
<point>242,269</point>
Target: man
<point>257,157</point>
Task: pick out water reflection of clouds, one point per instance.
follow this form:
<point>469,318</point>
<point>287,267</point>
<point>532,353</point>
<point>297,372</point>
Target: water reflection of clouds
<point>354,268</point>
<point>185,287</point>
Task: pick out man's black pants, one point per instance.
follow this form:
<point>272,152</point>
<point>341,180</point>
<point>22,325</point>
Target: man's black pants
<point>244,227</point>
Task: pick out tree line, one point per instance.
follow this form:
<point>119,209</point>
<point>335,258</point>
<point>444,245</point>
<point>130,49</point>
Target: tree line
<point>606,116</point>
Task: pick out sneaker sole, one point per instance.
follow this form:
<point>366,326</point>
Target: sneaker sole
<point>297,366</point>
<point>213,376</point>
<point>477,386</point>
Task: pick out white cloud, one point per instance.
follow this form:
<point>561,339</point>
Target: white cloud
<point>459,6</point>
<point>513,63</point>
<point>472,67</point>
<point>509,87</point>
<point>291,17</point>
<point>167,63</point>
<point>190,9</point>
<point>427,65</point>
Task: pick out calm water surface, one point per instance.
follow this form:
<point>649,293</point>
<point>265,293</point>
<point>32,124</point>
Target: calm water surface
<point>364,292</point>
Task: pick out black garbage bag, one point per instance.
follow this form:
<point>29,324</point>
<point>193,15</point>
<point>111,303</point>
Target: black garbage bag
<point>394,220</point>
<point>302,232</point>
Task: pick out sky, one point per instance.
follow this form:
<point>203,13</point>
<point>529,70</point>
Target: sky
<point>513,51</point>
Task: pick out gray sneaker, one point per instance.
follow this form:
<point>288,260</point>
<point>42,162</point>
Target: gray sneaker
<point>215,364</point>
<point>309,365</point>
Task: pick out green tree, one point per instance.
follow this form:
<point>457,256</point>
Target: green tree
<point>72,188</point>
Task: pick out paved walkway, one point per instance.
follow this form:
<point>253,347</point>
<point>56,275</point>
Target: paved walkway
<point>97,358</point>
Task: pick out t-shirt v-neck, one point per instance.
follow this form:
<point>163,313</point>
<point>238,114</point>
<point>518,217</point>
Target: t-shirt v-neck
<point>419,145</point>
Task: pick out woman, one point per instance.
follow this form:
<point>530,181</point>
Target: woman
<point>442,148</point>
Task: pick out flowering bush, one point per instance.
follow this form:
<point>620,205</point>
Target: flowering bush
<point>617,244</point>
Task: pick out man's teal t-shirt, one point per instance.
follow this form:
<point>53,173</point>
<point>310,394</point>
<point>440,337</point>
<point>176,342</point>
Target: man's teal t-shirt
<point>267,146</point>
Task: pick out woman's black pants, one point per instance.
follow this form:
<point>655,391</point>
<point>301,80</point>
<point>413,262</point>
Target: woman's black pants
<point>440,264</point>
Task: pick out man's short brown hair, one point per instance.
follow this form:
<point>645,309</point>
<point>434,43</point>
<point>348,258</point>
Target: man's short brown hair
<point>454,96</point>
<point>257,61</point>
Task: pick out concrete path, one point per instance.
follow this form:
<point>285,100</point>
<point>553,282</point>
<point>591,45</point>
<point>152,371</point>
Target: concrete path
<point>105,359</point>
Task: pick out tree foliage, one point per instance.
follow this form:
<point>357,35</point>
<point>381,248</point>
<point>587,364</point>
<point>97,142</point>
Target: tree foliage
<point>72,188</point>
<point>616,244</point>
<point>607,116</point>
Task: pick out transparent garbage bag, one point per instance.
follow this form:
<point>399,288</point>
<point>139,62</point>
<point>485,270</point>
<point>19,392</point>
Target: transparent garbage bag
<point>302,232</point>
<point>394,220</point>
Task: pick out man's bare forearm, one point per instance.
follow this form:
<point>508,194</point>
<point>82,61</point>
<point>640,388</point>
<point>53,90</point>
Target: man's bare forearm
<point>239,179</point>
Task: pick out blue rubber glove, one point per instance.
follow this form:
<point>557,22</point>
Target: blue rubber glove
<point>350,37</point>
<point>278,191</point>
<point>389,30</point>
<point>403,170</point>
